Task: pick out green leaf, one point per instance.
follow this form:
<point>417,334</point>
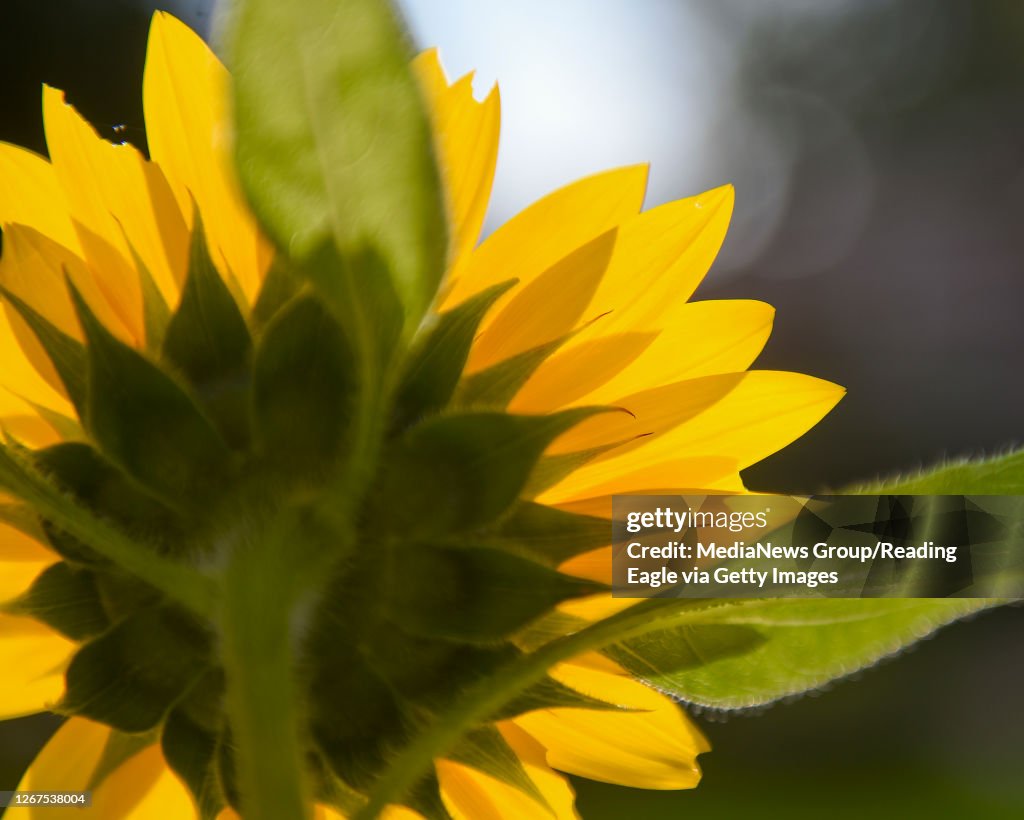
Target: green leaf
<point>436,363</point>
<point>332,138</point>
<point>146,423</point>
<point>130,676</point>
<point>208,341</point>
<point>303,389</point>
<point>66,354</point>
<point>460,472</point>
<point>450,593</point>
<point>485,750</point>
<point>750,653</point>
<point>998,475</point>
<point>66,599</point>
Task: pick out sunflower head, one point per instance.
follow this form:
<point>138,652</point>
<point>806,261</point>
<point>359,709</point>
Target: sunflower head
<point>188,426</point>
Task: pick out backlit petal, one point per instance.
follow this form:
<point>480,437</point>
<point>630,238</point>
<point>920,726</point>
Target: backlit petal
<point>549,230</point>
<point>185,97</point>
<point>33,658</point>
<point>141,787</point>
<point>30,195</point>
<point>651,749</point>
<point>466,134</point>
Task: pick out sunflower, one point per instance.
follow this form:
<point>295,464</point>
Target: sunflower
<point>111,265</point>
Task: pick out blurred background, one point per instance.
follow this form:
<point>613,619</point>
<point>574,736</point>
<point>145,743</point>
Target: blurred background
<point>877,149</point>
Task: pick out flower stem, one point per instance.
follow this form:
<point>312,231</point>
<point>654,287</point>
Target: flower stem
<point>263,696</point>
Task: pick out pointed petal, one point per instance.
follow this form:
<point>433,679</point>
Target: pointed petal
<point>472,795</point>
<point>19,379</point>
<point>33,658</point>
<point>705,338</point>
<point>549,230</point>
<point>22,558</point>
<point>651,749</point>
<point>545,309</point>
<point>763,413</point>
<point>649,414</point>
<point>30,195</point>
<point>143,786</point>
<point>592,493</point>
<point>466,132</point>
<point>185,97</point>
<point>660,258</point>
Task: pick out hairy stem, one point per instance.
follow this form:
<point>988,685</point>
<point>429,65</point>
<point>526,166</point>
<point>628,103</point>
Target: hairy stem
<point>264,703</point>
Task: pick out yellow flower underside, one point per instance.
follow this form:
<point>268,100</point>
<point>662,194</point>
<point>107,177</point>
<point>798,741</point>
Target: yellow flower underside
<point>588,259</point>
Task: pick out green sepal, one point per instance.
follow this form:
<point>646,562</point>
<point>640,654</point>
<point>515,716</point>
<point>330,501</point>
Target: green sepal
<point>190,742</point>
<point>65,353</point>
<point>355,717</point>
<point>552,469</point>
<point>485,750</point>
<point>146,422</point>
<point>279,287</point>
<point>207,340</point>
<point>119,748</point>
<point>498,384</point>
<point>303,389</point>
<point>130,676</point>
<point>226,770</point>
<point>66,599</point>
<point>450,593</point>
<point>460,472</point>
<point>435,365</point>
<point>155,312</point>
<point>548,693</point>
<point>358,290</point>
<point>425,799</point>
<point>82,471</point>
<point>549,534</point>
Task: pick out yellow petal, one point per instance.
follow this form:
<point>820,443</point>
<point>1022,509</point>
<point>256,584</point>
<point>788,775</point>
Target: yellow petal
<point>591,493</point>
<point>185,97</point>
<point>651,749</point>
<point>549,230</point>
<point>704,338</point>
<point>650,414</point>
<point>19,379</point>
<point>33,268</point>
<point>466,134</point>
<point>30,195</point>
<point>545,309</point>
<point>574,371</point>
<point>22,558</point>
<point>660,258</point>
<point>33,658</point>
<point>110,195</point>
<point>142,787</point>
<point>470,794</point>
<point>761,414</point>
